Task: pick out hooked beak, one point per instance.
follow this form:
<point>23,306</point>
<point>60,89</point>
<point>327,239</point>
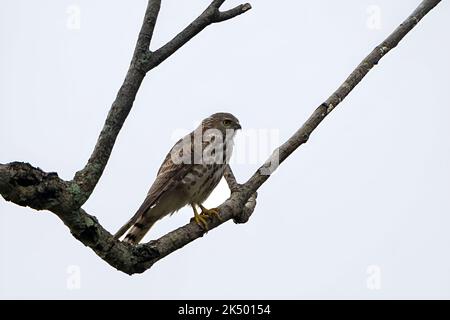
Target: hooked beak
<point>238,126</point>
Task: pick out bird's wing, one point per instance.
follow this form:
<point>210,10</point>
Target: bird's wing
<point>169,175</point>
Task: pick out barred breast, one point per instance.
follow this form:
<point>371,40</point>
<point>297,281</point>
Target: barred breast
<point>201,181</point>
<point>203,178</point>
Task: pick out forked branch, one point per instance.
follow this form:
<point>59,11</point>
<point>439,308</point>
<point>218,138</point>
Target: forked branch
<point>26,185</point>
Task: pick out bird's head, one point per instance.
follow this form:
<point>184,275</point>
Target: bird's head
<point>225,122</point>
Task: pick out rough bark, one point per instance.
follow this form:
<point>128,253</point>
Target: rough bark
<point>25,185</point>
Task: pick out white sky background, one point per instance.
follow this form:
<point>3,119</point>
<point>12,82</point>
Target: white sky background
<point>361,211</point>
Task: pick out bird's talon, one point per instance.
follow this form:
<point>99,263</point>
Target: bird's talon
<point>201,221</point>
<point>210,212</point>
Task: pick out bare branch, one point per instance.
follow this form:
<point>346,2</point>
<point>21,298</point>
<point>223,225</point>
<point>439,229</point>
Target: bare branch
<point>209,16</point>
<point>29,186</point>
<point>231,179</point>
<point>247,210</point>
<point>26,185</point>
<point>87,178</point>
<point>302,135</point>
<point>148,26</point>
<point>229,14</point>
<point>217,3</point>
<point>244,215</point>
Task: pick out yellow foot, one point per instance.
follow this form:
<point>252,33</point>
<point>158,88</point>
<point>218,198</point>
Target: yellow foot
<point>213,212</point>
<point>201,221</point>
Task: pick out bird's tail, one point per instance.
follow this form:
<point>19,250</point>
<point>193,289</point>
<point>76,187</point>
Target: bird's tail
<point>137,226</point>
<point>139,229</point>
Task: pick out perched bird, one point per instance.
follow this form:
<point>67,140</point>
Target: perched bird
<point>187,176</point>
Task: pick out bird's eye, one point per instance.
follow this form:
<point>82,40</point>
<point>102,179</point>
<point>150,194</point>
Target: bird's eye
<point>227,123</point>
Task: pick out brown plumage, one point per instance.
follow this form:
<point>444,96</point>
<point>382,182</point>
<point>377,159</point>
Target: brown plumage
<point>188,175</point>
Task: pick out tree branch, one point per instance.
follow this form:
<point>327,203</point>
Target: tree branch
<point>212,14</point>
<point>148,26</point>
<point>246,211</point>
<point>229,14</point>
<point>231,179</point>
<point>29,186</point>
<point>26,185</point>
<point>302,135</point>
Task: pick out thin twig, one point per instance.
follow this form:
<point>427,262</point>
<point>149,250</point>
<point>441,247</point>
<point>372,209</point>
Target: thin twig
<point>231,179</point>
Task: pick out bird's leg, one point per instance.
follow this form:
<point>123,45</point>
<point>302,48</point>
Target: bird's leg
<point>210,212</point>
<point>201,221</point>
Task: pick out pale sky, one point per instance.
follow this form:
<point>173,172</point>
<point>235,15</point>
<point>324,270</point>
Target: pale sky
<point>361,211</point>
